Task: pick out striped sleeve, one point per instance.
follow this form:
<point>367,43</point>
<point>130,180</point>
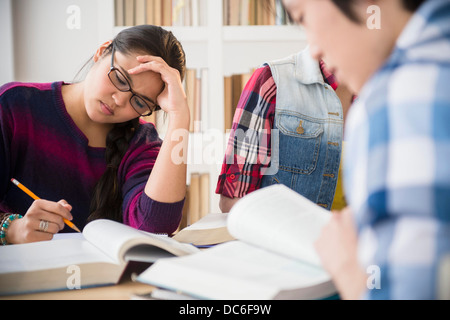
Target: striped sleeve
<point>140,211</point>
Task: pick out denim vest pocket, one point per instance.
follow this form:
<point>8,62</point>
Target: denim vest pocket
<point>300,139</point>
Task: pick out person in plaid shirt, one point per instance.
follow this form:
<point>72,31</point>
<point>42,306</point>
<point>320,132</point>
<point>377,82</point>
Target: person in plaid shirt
<point>393,241</point>
<point>296,96</point>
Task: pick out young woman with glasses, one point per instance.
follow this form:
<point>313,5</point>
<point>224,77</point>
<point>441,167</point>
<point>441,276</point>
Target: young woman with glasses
<point>85,143</point>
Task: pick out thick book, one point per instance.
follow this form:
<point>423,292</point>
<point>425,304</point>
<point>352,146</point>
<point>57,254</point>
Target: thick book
<point>99,255</point>
<point>208,231</point>
<point>273,258</point>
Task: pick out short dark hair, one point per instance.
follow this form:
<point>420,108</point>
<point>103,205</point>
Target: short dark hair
<point>346,6</point>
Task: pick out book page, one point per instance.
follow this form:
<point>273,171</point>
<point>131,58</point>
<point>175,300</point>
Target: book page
<point>210,221</point>
<point>65,236</point>
<point>49,255</point>
<point>210,230</point>
<point>280,220</point>
<point>115,239</point>
<point>237,270</point>
<point>109,237</point>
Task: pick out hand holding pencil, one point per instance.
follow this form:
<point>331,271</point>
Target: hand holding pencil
<point>42,220</point>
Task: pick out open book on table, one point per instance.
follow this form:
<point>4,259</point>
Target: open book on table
<point>274,257</point>
<point>99,255</point>
<point>208,231</point>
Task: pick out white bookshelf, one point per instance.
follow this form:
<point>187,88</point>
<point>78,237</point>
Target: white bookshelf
<point>223,50</point>
<point>6,38</point>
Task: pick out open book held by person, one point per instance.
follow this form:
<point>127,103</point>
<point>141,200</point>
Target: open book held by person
<point>99,256</point>
<point>273,258</point>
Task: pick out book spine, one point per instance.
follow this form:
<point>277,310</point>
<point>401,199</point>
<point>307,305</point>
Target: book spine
<point>141,12</point>
<point>120,12</point>
<point>130,6</point>
<point>179,13</point>
<point>198,204</point>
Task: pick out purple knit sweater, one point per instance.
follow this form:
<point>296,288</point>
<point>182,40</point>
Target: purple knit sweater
<point>41,146</point>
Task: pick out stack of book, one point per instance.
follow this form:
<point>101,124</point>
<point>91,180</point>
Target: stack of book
<point>271,255</point>
<point>161,12</point>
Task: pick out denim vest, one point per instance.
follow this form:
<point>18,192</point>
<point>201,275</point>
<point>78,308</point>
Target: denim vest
<point>309,118</point>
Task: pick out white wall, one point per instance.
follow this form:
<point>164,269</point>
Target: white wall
<point>52,42</point>
<point>6,40</point>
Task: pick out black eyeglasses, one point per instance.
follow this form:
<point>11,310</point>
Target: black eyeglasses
<point>121,83</point>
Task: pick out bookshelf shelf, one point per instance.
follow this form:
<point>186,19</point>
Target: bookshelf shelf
<point>183,34</point>
<point>263,33</point>
<point>195,44</point>
<point>223,50</point>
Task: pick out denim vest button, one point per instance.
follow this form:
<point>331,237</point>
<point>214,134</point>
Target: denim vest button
<point>300,129</point>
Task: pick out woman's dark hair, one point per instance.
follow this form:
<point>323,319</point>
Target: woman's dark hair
<point>346,6</point>
<point>107,198</point>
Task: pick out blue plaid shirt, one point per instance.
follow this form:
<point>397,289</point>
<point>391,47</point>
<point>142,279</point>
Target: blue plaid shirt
<point>398,163</point>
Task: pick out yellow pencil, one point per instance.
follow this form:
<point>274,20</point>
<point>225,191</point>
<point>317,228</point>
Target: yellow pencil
<point>35,197</point>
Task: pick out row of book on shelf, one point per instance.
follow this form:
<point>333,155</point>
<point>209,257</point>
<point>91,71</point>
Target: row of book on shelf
<point>194,12</point>
<point>233,87</point>
<point>253,12</point>
<point>196,87</point>
<point>161,12</point>
<point>197,203</point>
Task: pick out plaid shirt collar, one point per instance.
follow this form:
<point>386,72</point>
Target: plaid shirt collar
<point>328,76</point>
